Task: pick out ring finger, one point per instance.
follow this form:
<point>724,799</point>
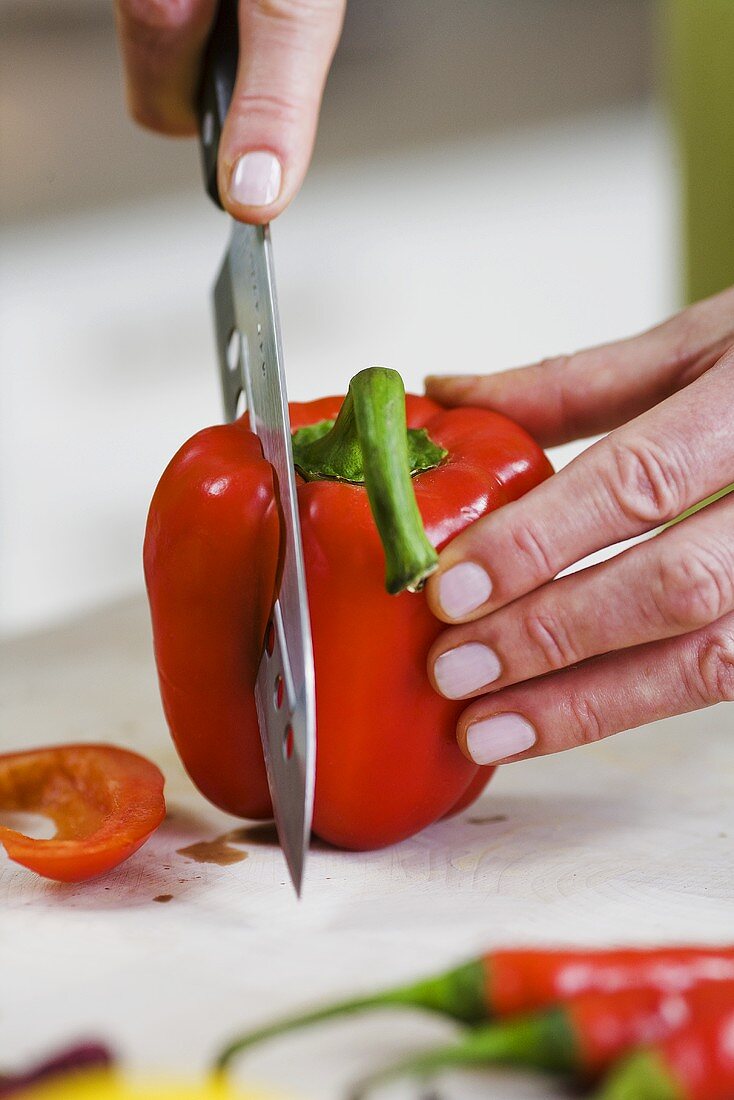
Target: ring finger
<point>634,480</point>
<point>602,696</point>
<point>676,583</point>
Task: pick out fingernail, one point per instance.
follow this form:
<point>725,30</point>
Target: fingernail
<point>465,669</point>
<point>493,739</point>
<point>256,179</point>
<point>463,588</point>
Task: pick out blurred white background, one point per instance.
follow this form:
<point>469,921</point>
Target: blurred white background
<point>493,183</point>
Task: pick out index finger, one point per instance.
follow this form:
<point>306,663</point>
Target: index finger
<point>636,478</point>
<point>161,42</point>
<point>596,390</point>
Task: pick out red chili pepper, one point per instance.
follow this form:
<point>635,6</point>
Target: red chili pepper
<point>388,763</point>
<point>104,801</point>
<point>502,984</point>
<point>522,981</point>
<point>694,1063</point>
<point>581,1038</point>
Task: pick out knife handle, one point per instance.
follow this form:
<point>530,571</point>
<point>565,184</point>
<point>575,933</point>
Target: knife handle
<point>218,74</point>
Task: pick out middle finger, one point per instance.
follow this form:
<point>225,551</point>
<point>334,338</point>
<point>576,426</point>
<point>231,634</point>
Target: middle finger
<point>636,478</point>
<point>673,584</point>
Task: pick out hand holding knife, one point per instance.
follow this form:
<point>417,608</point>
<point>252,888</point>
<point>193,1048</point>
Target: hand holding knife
<point>251,364</point>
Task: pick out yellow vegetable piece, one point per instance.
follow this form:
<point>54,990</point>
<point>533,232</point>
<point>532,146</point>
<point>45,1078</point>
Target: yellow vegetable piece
<point>109,1085</point>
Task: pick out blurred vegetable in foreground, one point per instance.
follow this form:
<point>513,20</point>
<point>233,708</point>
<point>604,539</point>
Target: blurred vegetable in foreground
<point>501,984</point>
<point>581,1038</point>
<point>695,1063</point>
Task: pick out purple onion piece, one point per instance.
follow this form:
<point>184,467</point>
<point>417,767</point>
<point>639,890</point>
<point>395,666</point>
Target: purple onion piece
<point>81,1056</point>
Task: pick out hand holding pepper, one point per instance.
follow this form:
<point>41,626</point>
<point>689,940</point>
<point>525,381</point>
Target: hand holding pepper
<point>650,633</point>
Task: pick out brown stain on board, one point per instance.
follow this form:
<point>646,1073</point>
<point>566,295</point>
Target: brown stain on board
<point>218,851</point>
<point>163,897</point>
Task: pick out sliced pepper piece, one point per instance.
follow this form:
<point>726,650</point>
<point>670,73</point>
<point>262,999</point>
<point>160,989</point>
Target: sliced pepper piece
<point>105,803</point>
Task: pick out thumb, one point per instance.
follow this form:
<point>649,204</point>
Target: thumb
<point>286,47</point>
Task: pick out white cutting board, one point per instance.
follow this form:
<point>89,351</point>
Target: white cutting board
<point>630,840</point>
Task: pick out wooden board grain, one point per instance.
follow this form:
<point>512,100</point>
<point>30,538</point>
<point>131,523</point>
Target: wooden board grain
<point>631,840</point>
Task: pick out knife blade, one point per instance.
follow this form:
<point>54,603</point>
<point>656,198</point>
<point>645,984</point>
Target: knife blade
<point>251,366</point>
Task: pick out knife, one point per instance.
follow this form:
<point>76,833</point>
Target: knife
<point>251,366</point>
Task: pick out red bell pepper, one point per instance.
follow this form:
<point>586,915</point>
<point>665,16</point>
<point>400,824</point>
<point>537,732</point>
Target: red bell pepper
<point>504,984</point>
<point>387,760</point>
<point>104,801</point>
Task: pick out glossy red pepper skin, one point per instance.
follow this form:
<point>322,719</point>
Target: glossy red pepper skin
<point>211,556</point>
<point>525,981</point>
<point>387,761</point>
<point>105,802</point>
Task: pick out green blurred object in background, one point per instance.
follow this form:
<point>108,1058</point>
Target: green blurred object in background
<point>701,41</point>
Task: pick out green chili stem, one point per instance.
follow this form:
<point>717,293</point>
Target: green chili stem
<point>369,442</point>
<point>541,1042</point>
<point>457,993</point>
<point>642,1076</point>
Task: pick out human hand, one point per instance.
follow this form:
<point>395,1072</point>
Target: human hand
<point>286,47</point>
<point>649,633</point>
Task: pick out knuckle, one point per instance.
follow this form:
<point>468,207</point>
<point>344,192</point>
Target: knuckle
<point>149,113</point>
<point>644,481</point>
<point>713,669</point>
<point>695,347</point>
<point>696,587</point>
<point>561,395</point>
<point>269,106</point>
<point>530,546</point>
<point>583,719</point>
<point>548,635</point>
<point>295,11</point>
<point>159,15</point>
<point>555,363</point>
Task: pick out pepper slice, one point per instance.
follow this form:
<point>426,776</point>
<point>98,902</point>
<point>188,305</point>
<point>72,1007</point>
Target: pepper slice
<point>104,801</point>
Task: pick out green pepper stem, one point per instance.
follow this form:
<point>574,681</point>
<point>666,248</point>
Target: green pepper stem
<point>541,1042</point>
<point>369,443</point>
<point>457,993</point>
<point>642,1076</point>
